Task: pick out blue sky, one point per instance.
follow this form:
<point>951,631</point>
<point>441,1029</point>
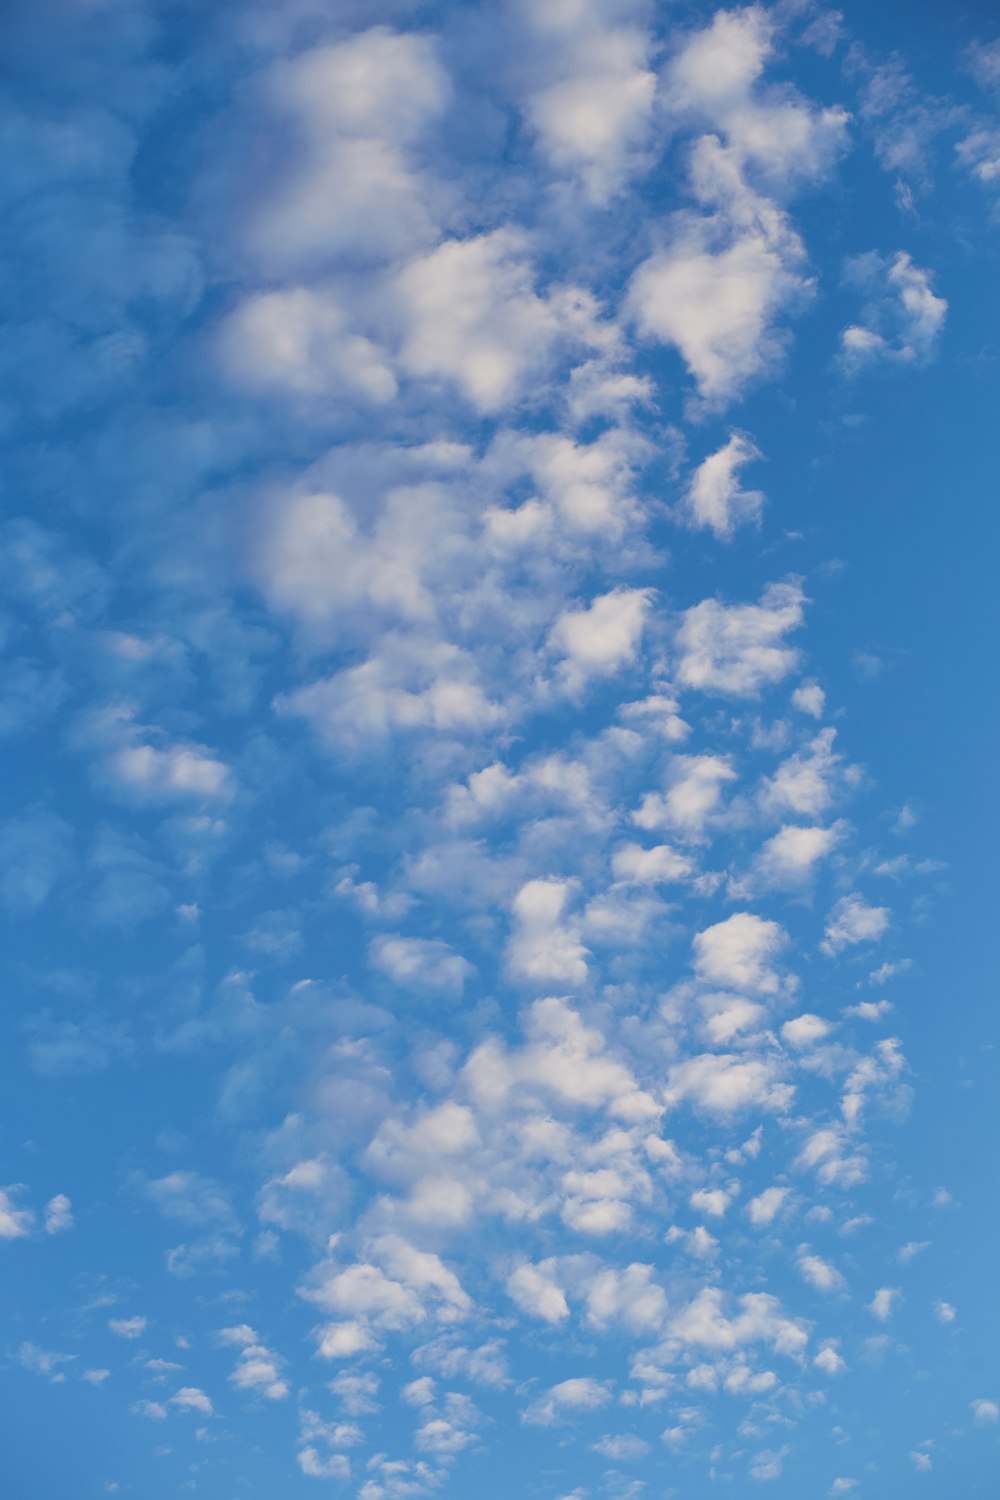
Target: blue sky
<point>497,837</point>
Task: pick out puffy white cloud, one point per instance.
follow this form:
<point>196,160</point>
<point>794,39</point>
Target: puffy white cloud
<point>718,286</point>
<point>602,638</point>
<point>315,1466</point>
<point>623,1448</point>
<point>738,650</point>
<point>190,1398</point>
<point>787,860</point>
<point>536,1291</point>
<point>713,1201</point>
<point>805,1030</point>
<point>584,488</point>
<point>738,952</point>
<point>986,1413</point>
<point>562,1057</point>
<point>715,499</point>
<point>979,153</point>
<point>259,1369</point>
<point>165,770</point>
<point>809,698</point>
<point>725,1083</point>
<point>400,1287</point>
<point>300,342</point>
<point>804,783</point>
<point>828,1152</point>
<point>58,1214</point>
<point>581,1393</point>
<point>403,690</point>
<point>543,945</point>
<point>421,963</point>
<point>904,318</point>
<point>944,1312</point>
<point>630,1297</point>
<point>853,921</point>
<point>702,1323</point>
<point>128,1328</point>
<point>715,78</point>
<point>819,1272</point>
<point>765,1207</point>
<point>768,1464</point>
<point>829,1359</point>
<point>883,1303</point>
<point>471,316</point>
<point>716,306</point>
<point>693,796</point>
<point>350,185</point>
<point>633,864</point>
<point>590,99</point>
<point>15,1223</point>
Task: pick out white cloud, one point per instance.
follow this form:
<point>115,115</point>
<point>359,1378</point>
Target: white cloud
<point>828,1152</point>
<point>986,1413</point>
<point>543,945</point>
<point>944,1312</point>
<point>869,1010</point>
<point>300,342</point>
<point>421,963</point>
<point>579,1394</point>
<point>819,1272</point>
<point>718,286</point>
<point>562,1058</point>
<point>829,1359</point>
<point>715,79</point>
<point>809,698</point>
<point>15,1223</point>
<point>725,1083</point>
<point>768,1464</point>
<point>257,1368</point>
<point>852,921</point>
<point>712,1201</point>
<point>738,650</point>
<point>693,796</point>
<point>904,318</point>
<point>471,316</point>
<point>314,1466</point>
<point>804,783</point>
<point>58,1214</point>
<point>398,1287</point>
<point>536,1291</point>
<point>805,1030</point>
<point>738,952</point>
<point>883,1302</point>
<point>419,685</point>
<point>591,98</point>
<point>635,865</point>
<point>715,499</point>
<point>765,1207</point>
<point>702,1323</point>
<point>602,638</point>
<point>190,1398</point>
<point>155,1411</point>
<point>349,185</point>
<point>625,1448</point>
<point>128,1328</point>
<point>787,860</point>
<point>630,1297</point>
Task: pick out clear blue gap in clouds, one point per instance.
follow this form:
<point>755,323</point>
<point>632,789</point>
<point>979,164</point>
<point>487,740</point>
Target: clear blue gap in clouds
<point>498,549</point>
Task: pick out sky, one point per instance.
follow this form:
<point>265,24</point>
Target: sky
<point>497,832</point>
